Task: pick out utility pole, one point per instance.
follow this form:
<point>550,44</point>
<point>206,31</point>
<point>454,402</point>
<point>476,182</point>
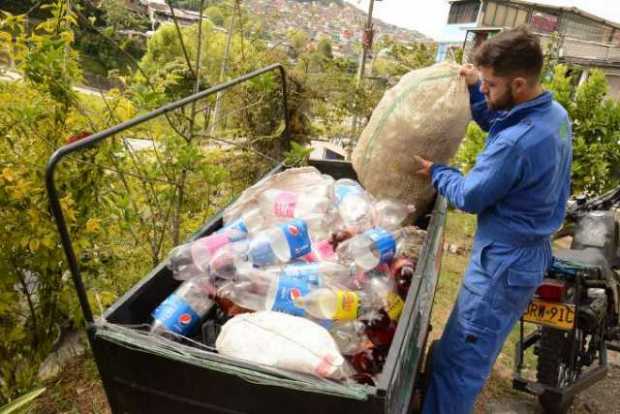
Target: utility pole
<point>367,38</point>
<point>223,69</point>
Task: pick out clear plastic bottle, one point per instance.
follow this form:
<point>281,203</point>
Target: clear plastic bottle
<point>353,204</point>
<point>322,251</point>
<point>369,249</point>
<point>333,304</point>
<point>280,244</point>
<point>350,336</point>
<point>193,258</point>
<point>389,214</point>
<point>275,288</point>
<point>289,204</point>
<point>183,310</point>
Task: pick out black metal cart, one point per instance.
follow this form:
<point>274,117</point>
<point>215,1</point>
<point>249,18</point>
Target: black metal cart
<point>139,380</point>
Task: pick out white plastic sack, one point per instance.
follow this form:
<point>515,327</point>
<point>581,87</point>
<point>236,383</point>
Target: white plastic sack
<point>425,114</point>
<point>282,341</point>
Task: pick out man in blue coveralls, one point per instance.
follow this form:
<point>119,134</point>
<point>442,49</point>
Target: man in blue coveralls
<point>518,189</point>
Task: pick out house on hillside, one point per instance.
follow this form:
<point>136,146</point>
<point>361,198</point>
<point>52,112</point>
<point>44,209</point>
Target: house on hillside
<point>585,42</point>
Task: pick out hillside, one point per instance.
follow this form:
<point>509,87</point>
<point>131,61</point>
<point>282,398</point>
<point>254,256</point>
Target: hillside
<point>339,21</point>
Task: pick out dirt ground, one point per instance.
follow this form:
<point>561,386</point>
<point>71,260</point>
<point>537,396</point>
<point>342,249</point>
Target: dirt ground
<point>599,399</point>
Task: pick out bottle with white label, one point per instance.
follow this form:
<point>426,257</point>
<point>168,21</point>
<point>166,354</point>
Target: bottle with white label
<point>369,249</point>
<point>193,258</point>
<point>183,310</point>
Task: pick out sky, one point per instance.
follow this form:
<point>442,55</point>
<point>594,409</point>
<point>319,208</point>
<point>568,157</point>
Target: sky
<point>429,16</point>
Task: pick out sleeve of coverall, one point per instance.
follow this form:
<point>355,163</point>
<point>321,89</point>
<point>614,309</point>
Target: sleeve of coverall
<point>496,171</point>
<point>479,109</point>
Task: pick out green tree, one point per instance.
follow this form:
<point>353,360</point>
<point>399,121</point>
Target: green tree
<point>215,14</point>
<point>325,48</point>
<point>36,117</point>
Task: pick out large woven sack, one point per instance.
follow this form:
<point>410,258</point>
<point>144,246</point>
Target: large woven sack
<point>425,114</point>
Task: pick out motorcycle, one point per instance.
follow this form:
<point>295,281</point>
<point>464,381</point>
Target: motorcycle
<point>576,310</point>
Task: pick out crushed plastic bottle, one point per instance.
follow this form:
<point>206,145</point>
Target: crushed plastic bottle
<point>354,205</point>
<point>289,204</point>
<point>327,303</point>
<point>193,258</point>
<point>182,311</point>
<point>369,249</point>
<point>390,214</point>
<point>280,244</point>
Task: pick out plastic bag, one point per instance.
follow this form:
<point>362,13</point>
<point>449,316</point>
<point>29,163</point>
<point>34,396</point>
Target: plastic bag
<point>425,114</point>
<point>282,341</point>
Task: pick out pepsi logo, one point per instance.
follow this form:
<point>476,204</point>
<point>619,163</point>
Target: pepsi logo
<point>295,293</point>
<point>293,230</point>
<point>185,319</point>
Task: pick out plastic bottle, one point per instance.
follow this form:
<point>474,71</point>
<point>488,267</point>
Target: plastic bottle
<point>369,249</point>
<point>271,288</point>
<point>322,251</point>
<point>390,214</point>
<point>333,304</point>
<point>402,270</point>
<point>280,244</point>
<point>193,258</point>
<point>350,336</point>
<point>289,204</point>
<point>354,205</point>
<point>182,311</point>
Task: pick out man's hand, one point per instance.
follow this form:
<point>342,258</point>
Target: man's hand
<point>426,165</point>
<point>470,74</point>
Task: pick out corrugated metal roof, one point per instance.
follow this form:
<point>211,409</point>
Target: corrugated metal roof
<point>550,5</point>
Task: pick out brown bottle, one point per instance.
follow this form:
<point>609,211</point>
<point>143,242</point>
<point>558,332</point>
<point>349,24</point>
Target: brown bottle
<point>402,270</point>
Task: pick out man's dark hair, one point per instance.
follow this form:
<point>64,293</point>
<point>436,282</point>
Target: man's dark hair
<point>512,52</point>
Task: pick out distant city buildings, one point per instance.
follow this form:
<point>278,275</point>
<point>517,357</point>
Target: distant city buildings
<point>342,24</point>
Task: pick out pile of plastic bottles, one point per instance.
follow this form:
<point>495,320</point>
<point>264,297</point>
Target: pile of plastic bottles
<point>329,254</point>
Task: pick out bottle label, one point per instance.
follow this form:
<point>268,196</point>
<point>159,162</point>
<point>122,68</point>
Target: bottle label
<point>290,288</point>
<point>347,305</point>
<point>296,233</point>
<point>307,272</point>
<point>176,315</point>
<point>383,243</point>
<point>262,254</point>
<point>285,203</point>
<point>342,191</point>
<point>236,230</point>
<point>206,247</point>
<point>395,306</point>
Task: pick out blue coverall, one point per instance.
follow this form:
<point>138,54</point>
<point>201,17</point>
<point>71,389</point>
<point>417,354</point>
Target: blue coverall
<point>518,188</point>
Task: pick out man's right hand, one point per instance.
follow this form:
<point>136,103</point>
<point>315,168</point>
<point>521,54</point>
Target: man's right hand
<point>470,74</point>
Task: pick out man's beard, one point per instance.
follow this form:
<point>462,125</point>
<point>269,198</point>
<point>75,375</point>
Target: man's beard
<point>504,103</point>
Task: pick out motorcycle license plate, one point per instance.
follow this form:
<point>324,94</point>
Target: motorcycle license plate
<point>555,315</point>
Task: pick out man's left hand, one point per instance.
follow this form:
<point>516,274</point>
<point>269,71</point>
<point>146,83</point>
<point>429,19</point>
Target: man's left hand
<point>426,165</point>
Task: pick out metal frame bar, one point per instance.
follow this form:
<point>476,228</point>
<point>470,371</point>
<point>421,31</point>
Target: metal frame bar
<point>90,141</point>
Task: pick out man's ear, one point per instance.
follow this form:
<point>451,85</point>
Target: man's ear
<point>518,85</point>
